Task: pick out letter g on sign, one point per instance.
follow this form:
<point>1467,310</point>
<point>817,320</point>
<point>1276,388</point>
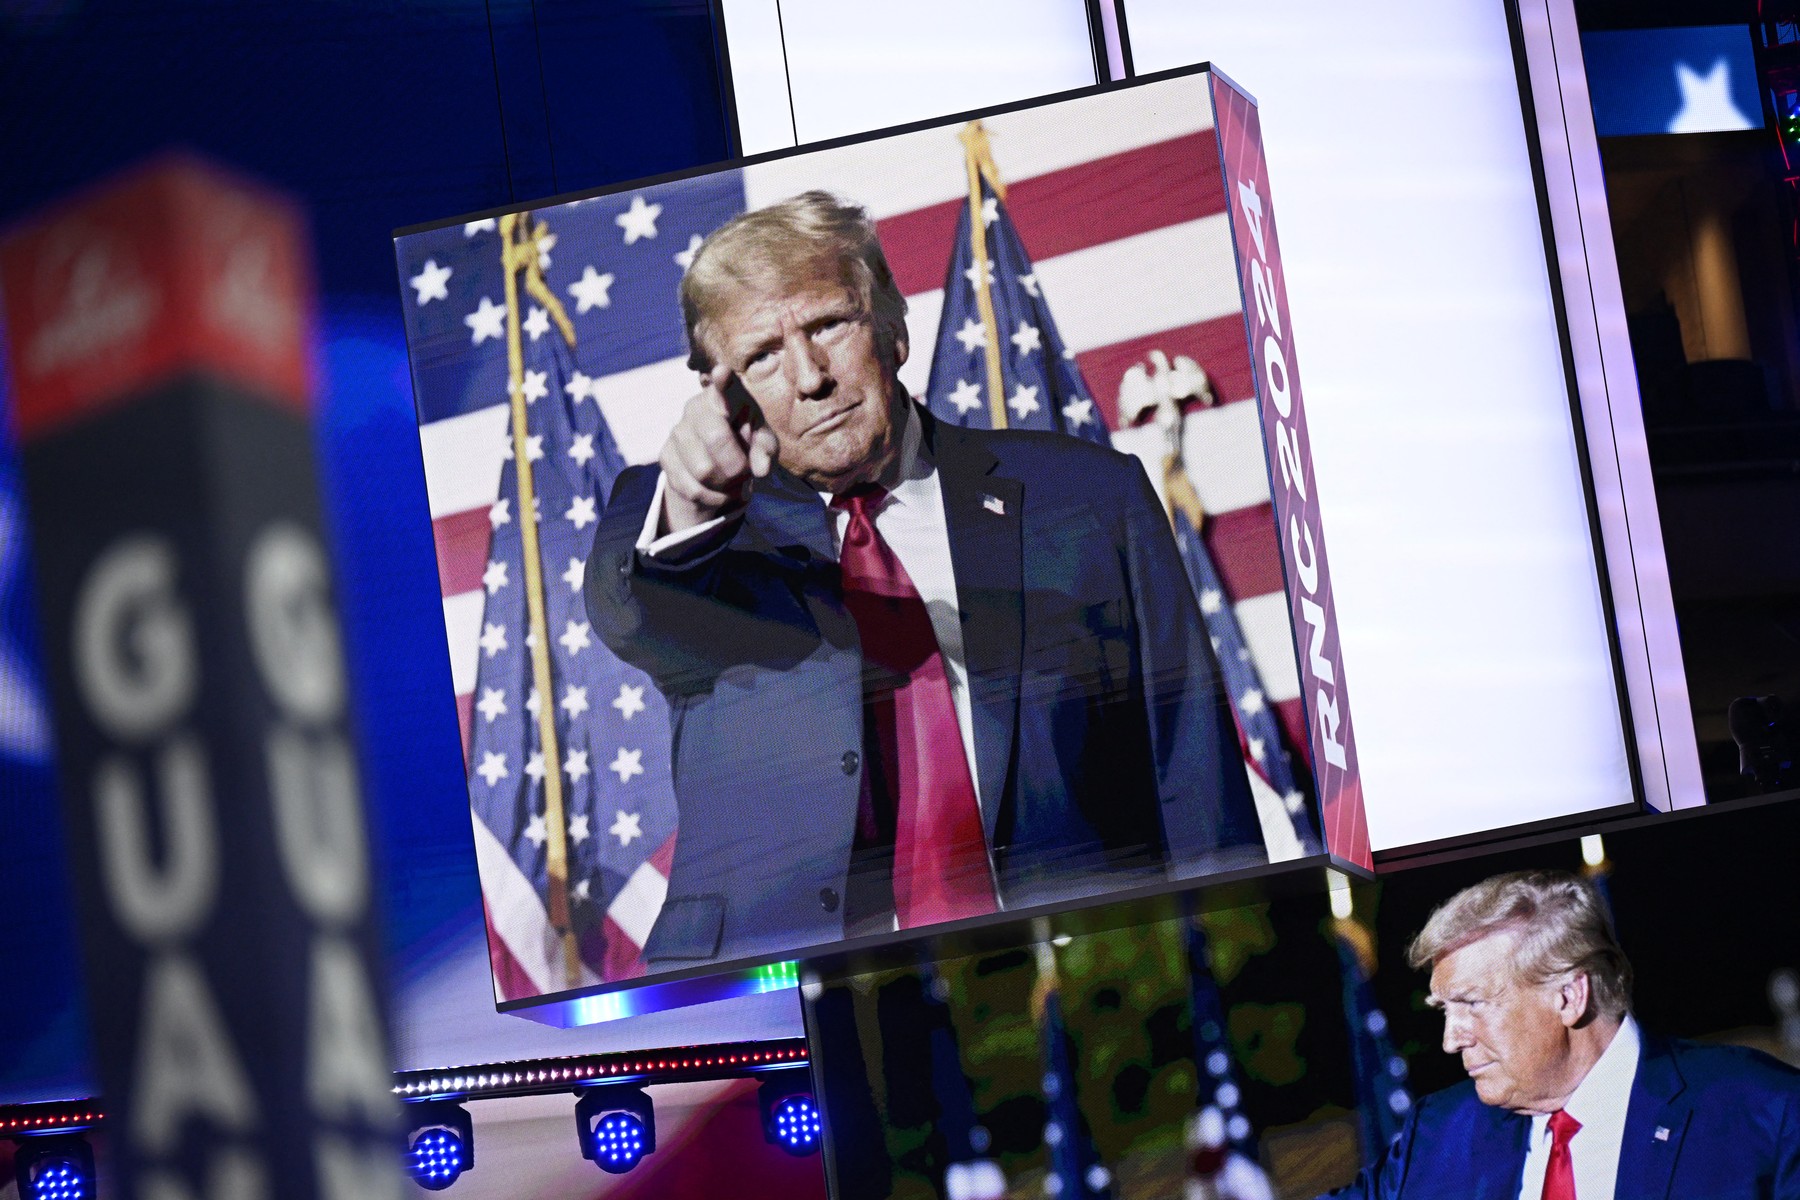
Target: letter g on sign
<point>135,662</point>
<point>293,630</point>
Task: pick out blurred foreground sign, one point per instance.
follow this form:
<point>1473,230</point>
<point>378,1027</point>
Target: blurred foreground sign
<point>158,339</point>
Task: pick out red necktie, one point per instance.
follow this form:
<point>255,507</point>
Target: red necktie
<point>940,856</point>
<point>1559,1176</point>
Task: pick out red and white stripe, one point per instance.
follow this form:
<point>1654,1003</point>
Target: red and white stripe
<point>1120,203</point>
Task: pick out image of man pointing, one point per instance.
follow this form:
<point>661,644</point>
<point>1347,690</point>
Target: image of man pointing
<point>916,673</point>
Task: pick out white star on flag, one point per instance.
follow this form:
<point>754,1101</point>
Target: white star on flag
<point>582,448</point>
<point>1251,702</point>
<point>578,830</point>
<point>576,573</point>
<point>534,766</point>
<point>493,704</point>
<point>498,513</point>
<point>471,228</point>
<point>1029,283</point>
<point>537,323</point>
<point>580,890</point>
<point>492,768</point>
<point>431,282</point>
<point>638,221</point>
<point>546,242</point>
<point>579,387</point>
<point>1024,401</point>
<point>626,827</point>
<point>581,511</point>
<point>685,258</point>
<point>626,764</point>
<point>487,321</point>
<point>978,277</point>
<point>590,290</point>
<point>966,397</point>
<point>535,833</point>
<point>972,335</point>
<point>990,210</point>
<point>1078,412</point>
<point>575,765</point>
<point>531,704</point>
<point>1294,801</point>
<point>535,386</point>
<point>1211,601</point>
<point>1027,338</point>
<point>494,578</point>
<point>534,450</point>
<point>574,701</point>
<point>493,639</point>
<point>1256,749</point>
<point>575,637</point>
<point>630,700</point>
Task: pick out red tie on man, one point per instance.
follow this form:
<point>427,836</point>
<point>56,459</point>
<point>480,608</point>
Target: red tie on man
<point>1559,1176</point>
<point>940,856</point>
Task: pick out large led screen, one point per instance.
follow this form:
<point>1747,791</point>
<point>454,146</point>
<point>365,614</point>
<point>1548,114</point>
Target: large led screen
<point>1473,610</point>
<point>855,541</point>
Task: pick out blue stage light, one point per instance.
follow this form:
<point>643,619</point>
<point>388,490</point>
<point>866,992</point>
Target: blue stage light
<point>790,1114</point>
<point>440,1148</point>
<point>618,1142</point>
<point>438,1159</point>
<point>617,1124</point>
<point>797,1124</point>
<point>58,1167</point>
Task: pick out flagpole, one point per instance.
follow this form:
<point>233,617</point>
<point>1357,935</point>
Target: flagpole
<point>979,156</point>
<point>519,252</point>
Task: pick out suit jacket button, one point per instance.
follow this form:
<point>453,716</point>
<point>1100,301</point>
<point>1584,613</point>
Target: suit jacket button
<point>852,760</point>
<point>828,899</point>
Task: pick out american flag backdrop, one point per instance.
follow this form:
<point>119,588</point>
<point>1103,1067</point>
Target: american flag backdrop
<point>1118,204</point>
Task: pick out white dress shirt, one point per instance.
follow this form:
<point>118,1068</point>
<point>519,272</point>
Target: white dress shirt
<point>1599,1103</point>
<point>911,522</point>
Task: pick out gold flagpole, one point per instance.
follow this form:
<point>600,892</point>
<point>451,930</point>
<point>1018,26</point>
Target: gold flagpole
<point>520,257</point>
<point>979,155</point>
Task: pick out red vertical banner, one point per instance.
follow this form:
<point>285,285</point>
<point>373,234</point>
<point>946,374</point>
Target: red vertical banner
<point>1311,609</point>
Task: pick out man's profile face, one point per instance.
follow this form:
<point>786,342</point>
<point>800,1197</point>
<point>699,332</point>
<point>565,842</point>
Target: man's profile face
<point>808,353</point>
<point>1511,1033</point>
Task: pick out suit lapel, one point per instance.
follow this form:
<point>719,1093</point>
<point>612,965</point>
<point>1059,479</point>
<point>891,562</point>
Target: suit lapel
<point>1655,1123</point>
<point>982,517</point>
<point>1497,1151</point>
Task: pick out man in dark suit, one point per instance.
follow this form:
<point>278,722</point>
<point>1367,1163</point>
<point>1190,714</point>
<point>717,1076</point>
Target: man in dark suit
<point>917,673</point>
<point>1567,1098</point>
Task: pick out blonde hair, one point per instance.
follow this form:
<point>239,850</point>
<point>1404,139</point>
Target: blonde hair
<point>784,244</point>
<point>1563,928</point>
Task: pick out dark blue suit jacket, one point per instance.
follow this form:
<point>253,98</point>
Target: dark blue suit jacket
<point>1712,1122</point>
<point>1105,750</point>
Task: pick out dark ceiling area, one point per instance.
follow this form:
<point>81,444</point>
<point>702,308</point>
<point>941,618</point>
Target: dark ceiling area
<point>1645,14</point>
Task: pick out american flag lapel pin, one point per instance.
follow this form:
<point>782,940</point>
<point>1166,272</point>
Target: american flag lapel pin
<point>1662,1133</point>
<point>993,504</point>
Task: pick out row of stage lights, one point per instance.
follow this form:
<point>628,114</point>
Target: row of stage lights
<point>616,1125</point>
<point>615,1117</point>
